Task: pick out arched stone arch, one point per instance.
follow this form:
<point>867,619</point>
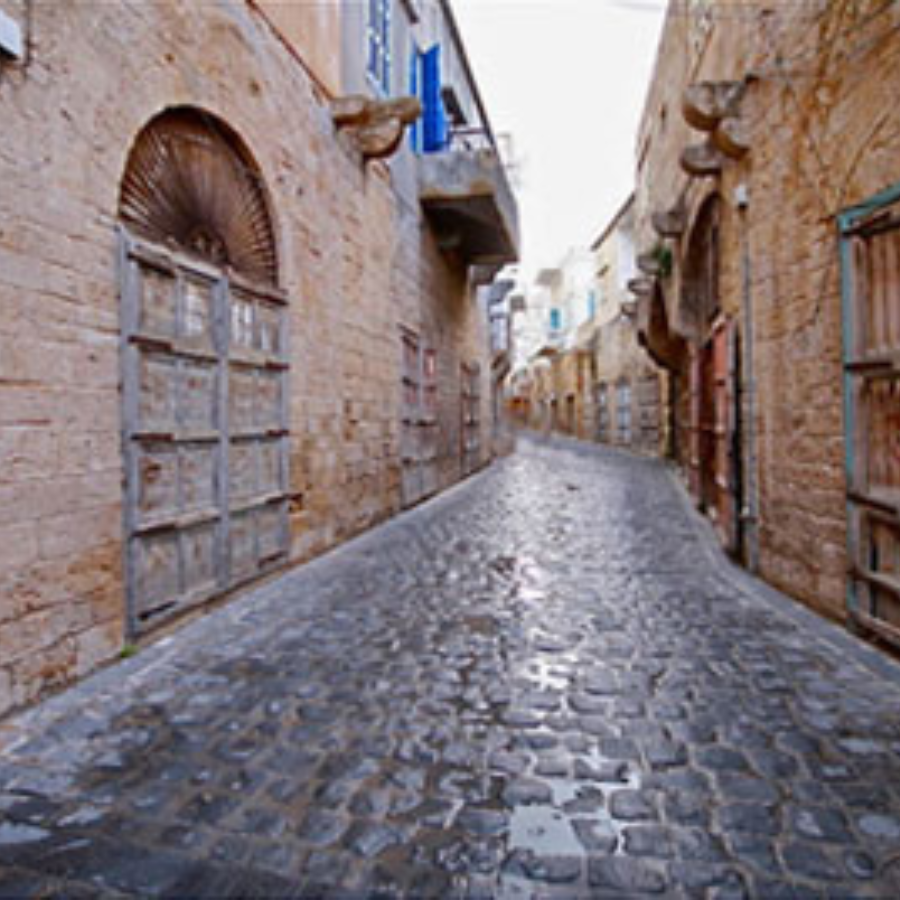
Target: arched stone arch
<point>190,182</point>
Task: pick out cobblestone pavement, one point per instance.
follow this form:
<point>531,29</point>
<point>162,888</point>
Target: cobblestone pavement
<point>541,684</point>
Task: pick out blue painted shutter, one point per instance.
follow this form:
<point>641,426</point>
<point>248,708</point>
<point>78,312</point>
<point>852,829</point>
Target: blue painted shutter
<point>434,117</point>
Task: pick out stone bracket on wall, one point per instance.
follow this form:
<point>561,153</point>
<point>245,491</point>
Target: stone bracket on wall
<point>643,286</point>
<point>376,126</point>
<point>707,103</point>
<point>701,160</point>
<point>715,108</point>
<point>670,223</point>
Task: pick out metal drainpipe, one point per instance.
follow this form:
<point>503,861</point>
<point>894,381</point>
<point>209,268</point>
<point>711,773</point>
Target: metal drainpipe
<point>750,512</point>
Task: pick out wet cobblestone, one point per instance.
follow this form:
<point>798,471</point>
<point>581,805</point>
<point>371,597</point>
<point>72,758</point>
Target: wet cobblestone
<point>544,684</point>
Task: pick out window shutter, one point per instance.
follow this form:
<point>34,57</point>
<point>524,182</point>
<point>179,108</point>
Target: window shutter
<point>434,117</point>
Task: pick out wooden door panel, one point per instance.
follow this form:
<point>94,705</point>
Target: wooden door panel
<point>871,259</point>
<point>197,397</point>
<point>204,431</point>
<point>157,572</point>
<point>157,313</point>
<point>199,548</point>
<point>197,474</point>
<point>158,393</point>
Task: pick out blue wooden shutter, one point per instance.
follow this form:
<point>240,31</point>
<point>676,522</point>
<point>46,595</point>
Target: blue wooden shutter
<point>434,117</point>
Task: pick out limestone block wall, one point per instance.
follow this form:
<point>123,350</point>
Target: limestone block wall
<point>827,137</point>
<point>618,358</point>
<point>824,132</point>
<point>355,261</point>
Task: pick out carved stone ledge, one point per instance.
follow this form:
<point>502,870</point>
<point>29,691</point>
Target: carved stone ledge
<point>649,263</point>
<point>670,223</point>
<point>732,138</point>
<point>706,103</point>
<point>376,126</point>
<point>701,160</point>
<point>642,287</point>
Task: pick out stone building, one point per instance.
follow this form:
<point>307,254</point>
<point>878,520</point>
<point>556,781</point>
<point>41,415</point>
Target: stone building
<point>591,379</point>
<point>237,315</point>
<point>628,391</point>
<point>768,172</point>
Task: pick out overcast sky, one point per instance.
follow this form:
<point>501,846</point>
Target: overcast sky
<point>568,79</point>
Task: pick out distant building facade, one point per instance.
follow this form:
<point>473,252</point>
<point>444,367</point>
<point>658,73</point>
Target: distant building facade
<point>591,378</point>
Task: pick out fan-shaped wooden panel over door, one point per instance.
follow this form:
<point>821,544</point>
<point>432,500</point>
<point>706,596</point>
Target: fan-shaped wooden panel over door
<point>204,368</point>
<point>190,184</point>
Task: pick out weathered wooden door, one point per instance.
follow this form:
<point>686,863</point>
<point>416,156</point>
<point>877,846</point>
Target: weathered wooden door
<point>204,370</point>
<point>649,406</point>
<point>603,422</point>
<point>714,470</point>
<point>418,427</point>
<point>871,267</point>
<point>695,382</point>
<point>726,446</point>
<point>470,409</point>
<point>623,413</point>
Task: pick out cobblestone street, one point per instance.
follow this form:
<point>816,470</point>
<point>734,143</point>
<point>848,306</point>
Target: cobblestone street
<point>545,683</point>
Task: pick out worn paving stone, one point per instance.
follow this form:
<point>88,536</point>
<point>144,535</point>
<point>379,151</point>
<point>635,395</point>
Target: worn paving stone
<point>545,683</point>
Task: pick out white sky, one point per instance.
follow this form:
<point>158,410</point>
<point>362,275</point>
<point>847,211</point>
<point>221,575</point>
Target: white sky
<point>567,78</point>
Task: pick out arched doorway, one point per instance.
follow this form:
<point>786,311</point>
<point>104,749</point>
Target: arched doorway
<point>204,368</point>
<point>713,377</point>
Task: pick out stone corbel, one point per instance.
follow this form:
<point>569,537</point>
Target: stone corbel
<point>642,287</point>
<point>630,309</point>
<point>701,160</point>
<point>376,126</point>
<point>670,223</point>
<point>649,264</point>
<point>706,103</point>
<point>731,137</point>
<point>715,107</point>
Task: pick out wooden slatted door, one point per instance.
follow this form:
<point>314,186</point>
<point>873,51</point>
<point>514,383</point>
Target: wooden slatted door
<point>649,406</point>
<point>725,475</point>
<point>871,268</point>
<point>418,425</point>
<point>204,371</point>
<point>603,418</point>
<point>695,383</point>
<point>470,407</point>
<point>714,467</point>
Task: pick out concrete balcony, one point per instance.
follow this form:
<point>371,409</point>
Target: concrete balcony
<point>470,206</point>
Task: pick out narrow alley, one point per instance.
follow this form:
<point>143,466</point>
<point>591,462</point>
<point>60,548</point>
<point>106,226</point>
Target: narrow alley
<point>546,682</point>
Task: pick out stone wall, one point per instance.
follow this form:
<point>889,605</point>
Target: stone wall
<point>823,125</point>
<point>355,261</point>
<point>618,359</point>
